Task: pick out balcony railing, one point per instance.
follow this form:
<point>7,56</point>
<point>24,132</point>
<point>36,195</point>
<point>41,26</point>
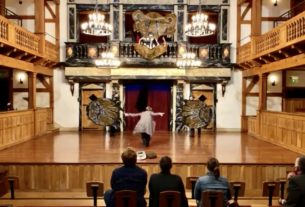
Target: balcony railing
<point>81,54</point>
<point>23,40</point>
<point>287,34</point>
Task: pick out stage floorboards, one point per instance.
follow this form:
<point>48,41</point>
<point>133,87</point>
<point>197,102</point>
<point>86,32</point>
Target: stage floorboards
<point>98,147</point>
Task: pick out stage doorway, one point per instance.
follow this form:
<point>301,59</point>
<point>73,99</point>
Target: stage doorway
<point>154,93</point>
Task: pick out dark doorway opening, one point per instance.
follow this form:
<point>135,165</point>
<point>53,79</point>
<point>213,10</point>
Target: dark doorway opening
<point>4,94</point>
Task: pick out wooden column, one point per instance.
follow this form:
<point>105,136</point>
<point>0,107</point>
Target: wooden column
<point>2,8</point>
<point>51,82</point>
<point>57,25</point>
<point>284,83</point>
<point>32,90</point>
<point>244,120</point>
<point>262,105</point>
<point>256,17</point>
<point>40,23</point>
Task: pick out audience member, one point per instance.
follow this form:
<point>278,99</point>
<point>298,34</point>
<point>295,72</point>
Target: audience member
<point>128,177</point>
<point>165,181</point>
<point>212,181</point>
<point>296,185</point>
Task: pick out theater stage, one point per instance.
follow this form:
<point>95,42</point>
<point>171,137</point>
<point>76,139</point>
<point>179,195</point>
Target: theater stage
<point>66,161</point>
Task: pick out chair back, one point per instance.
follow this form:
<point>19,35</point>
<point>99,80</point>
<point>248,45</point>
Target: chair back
<point>190,184</point>
<point>237,189</point>
<point>125,198</point>
<point>212,198</point>
<point>169,199</point>
<point>271,189</point>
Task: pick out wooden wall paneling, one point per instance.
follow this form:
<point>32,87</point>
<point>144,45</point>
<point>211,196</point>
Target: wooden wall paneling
<point>73,177</point>
<point>15,127</point>
<point>284,129</point>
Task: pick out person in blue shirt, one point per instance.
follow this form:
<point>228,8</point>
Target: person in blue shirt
<point>128,177</point>
<point>212,181</point>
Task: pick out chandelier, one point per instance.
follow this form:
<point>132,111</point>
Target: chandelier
<point>108,60</point>
<point>188,60</point>
<point>96,24</point>
<point>199,26</point>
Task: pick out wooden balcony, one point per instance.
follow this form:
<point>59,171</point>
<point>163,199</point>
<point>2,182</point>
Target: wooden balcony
<point>83,55</point>
<point>284,41</point>
<point>18,43</point>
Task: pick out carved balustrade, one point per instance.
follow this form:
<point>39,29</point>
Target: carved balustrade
<point>79,53</point>
<point>17,37</point>
<point>287,34</point>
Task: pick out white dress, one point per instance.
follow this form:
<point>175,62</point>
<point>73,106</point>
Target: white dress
<point>146,124</point>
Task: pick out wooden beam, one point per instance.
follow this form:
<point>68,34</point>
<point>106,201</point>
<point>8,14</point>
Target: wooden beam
<point>13,63</point>
<point>272,19</point>
<point>50,20</point>
<point>252,84</point>
<point>255,94</point>
<point>256,15</point>
<point>19,90</point>
<point>10,51</point>
<point>50,10</point>
<point>44,82</point>
<point>245,22</point>
<point>284,53</point>
<point>245,12</point>
<point>297,48</point>
<point>273,57</point>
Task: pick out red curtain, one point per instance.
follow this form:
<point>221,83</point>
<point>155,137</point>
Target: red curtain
<point>158,97</point>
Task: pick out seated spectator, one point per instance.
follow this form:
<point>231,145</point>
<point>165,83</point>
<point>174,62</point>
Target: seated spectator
<point>165,181</point>
<point>212,181</point>
<point>128,177</point>
<point>296,185</point>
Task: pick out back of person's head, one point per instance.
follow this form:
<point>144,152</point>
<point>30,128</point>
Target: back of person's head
<point>213,166</point>
<point>129,157</point>
<point>301,163</point>
<point>165,164</point>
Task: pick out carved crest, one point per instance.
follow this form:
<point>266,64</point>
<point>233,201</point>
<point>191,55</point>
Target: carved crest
<point>152,26</point>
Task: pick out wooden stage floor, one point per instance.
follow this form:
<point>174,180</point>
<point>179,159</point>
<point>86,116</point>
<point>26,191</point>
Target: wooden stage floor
<point>66,161</point>
<point>97,147</point>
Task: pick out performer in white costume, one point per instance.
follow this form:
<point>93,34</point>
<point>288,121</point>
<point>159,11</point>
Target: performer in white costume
<point>146,125</point>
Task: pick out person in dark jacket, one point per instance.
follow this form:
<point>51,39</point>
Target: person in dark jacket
<point>128,177</point>
<point>165,181</point>
<point>296,185</point>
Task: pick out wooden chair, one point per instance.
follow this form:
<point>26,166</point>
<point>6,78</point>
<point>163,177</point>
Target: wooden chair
<point>237,189</point>
<point>125,198</point>
<point>169,199</point>
<point>270,189</point>
<point>212,198</point>
<point>190,184</point>
<point>95,189</point>
<point>282,182</point>
<point>14,184</point>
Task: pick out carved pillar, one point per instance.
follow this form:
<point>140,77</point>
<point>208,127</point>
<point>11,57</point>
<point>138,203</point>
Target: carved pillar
<point>121,23</point>
<point>224,24</point>
<point>177,122</point>
<point>183,15</point>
